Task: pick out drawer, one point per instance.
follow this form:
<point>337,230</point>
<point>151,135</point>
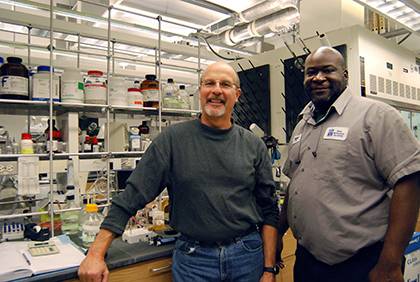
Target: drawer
<point>158,270</point>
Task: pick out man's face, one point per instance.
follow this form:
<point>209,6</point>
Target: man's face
<point>325,78</point>
<point>218,91</point>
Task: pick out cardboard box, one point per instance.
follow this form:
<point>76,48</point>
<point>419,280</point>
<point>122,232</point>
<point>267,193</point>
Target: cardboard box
<point>412,260</point>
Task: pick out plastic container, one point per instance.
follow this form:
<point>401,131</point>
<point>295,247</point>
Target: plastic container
<point>150,90</point>
<point>117,91</point>
<point>95,88</point>
<point>170,88</point>
<point>26,144</point>
<point>14,79</point>
<point>72,87</point>
<point>90,224</point>
<point>41,85</point>
<point>134,97</point>
<point>70,219</point>
<point>183,97</point>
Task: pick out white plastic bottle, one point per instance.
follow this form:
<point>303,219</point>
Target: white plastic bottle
<point>72,87</point>
<point>90,224</point>
<point>41,85</point>
<point>26,144</point>
<point>134,97</point>
<point>117,91</point>
<point>95,88</point>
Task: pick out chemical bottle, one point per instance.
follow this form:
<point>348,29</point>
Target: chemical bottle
<point>169,89</point>
<point>144,128</point>
<point>150,90</point>
<point>134,97</point>
<point>26,144</point>
<point>117,91</point>
<point>72,87</point>
<point>70,219</point>
<point>90,224</point>
<point>56,136</point>
<point>14,80</point>
<point>184,97</point>
<point>41,85</point>
<point>95,88</point>
<point>169,97</point>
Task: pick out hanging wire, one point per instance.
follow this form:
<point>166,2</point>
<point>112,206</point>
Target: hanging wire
<point>217,54</point>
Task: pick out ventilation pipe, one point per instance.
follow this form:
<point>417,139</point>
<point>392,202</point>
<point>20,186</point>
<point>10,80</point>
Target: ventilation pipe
<point>278,22</point>
<point>265,8</point>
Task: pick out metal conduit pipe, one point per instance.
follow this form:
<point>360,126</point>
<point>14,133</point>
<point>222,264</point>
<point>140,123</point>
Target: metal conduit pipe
<point>278,22</point>
<point>265,8</point>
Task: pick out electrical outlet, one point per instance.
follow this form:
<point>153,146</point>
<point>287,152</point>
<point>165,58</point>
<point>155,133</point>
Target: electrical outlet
<point>8,168</point>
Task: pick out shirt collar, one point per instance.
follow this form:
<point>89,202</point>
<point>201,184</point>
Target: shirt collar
<point>339,105</point>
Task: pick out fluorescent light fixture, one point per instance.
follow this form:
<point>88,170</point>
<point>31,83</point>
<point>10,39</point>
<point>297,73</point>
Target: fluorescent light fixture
<point>396,10</point>
<point>18,4</point>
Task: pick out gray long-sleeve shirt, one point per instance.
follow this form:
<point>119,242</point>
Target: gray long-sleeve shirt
<point>219,182</point>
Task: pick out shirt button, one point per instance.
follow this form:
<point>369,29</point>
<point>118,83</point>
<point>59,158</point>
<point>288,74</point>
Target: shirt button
<point>296,193</point>
<point>294,216</point>
<point>302,169</point>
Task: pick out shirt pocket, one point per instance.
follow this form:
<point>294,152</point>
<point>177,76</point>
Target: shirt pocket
<point>293,159</point>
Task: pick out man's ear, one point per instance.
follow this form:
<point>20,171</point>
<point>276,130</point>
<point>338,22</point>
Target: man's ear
<point>238,94</point>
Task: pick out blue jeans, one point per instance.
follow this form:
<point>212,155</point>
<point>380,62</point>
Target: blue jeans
<point>242,260</point>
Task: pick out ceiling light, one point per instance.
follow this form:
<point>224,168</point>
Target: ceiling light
<point>395,10</point>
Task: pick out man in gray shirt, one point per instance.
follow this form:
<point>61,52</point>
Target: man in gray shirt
<point>353,198</point>
<point>220,188</point>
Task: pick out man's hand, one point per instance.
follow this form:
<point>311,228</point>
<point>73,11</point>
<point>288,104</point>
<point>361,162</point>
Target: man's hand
<point>279,248</point>
<point>384,272</point>
<point>268,277</point>
<point>93,269</point>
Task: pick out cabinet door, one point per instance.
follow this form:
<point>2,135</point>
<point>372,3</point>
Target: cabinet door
<point>158,270</point>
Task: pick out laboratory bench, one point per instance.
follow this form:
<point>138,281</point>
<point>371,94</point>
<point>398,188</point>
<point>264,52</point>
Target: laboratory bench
<point>126,262</point>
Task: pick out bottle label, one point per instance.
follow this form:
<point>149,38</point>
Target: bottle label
<point>14,85</point>
<point>118,96</point>
<point>95,93</point>
<point>150,95</point>
<point>72,91</point>
<point>92,229</point>
<point>41,89</point>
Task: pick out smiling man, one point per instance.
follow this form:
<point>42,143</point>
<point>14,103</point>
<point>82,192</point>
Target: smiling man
<point>354,195</point>
<point>221,191</point>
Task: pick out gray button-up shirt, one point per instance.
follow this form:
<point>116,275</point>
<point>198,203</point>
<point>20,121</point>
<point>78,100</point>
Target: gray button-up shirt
<point>341,171</point>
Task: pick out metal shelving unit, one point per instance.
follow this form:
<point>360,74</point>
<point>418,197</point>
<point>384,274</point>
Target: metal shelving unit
<point>51,108</point>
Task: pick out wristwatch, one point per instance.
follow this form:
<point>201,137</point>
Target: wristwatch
<point>272,269</point>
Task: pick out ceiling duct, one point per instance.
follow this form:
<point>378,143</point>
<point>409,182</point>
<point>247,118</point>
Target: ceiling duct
<point>265,8</point>
<point>278,22</point>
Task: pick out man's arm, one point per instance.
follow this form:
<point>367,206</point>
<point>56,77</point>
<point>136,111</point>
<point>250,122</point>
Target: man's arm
<point>282,227</point>
<point>269,237</point>
<point>93,267</point>
<point>403,214</point>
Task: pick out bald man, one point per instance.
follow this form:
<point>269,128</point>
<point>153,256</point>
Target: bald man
<point>353,198</point>
<point>221,192</point>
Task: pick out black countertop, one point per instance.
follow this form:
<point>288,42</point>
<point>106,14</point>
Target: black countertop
<point>119,254</point>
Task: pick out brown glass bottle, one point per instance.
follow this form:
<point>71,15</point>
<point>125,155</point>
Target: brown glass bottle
<point>150,90</point>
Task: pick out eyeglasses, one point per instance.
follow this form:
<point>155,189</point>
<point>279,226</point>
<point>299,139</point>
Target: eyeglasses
<point>224,84</point>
